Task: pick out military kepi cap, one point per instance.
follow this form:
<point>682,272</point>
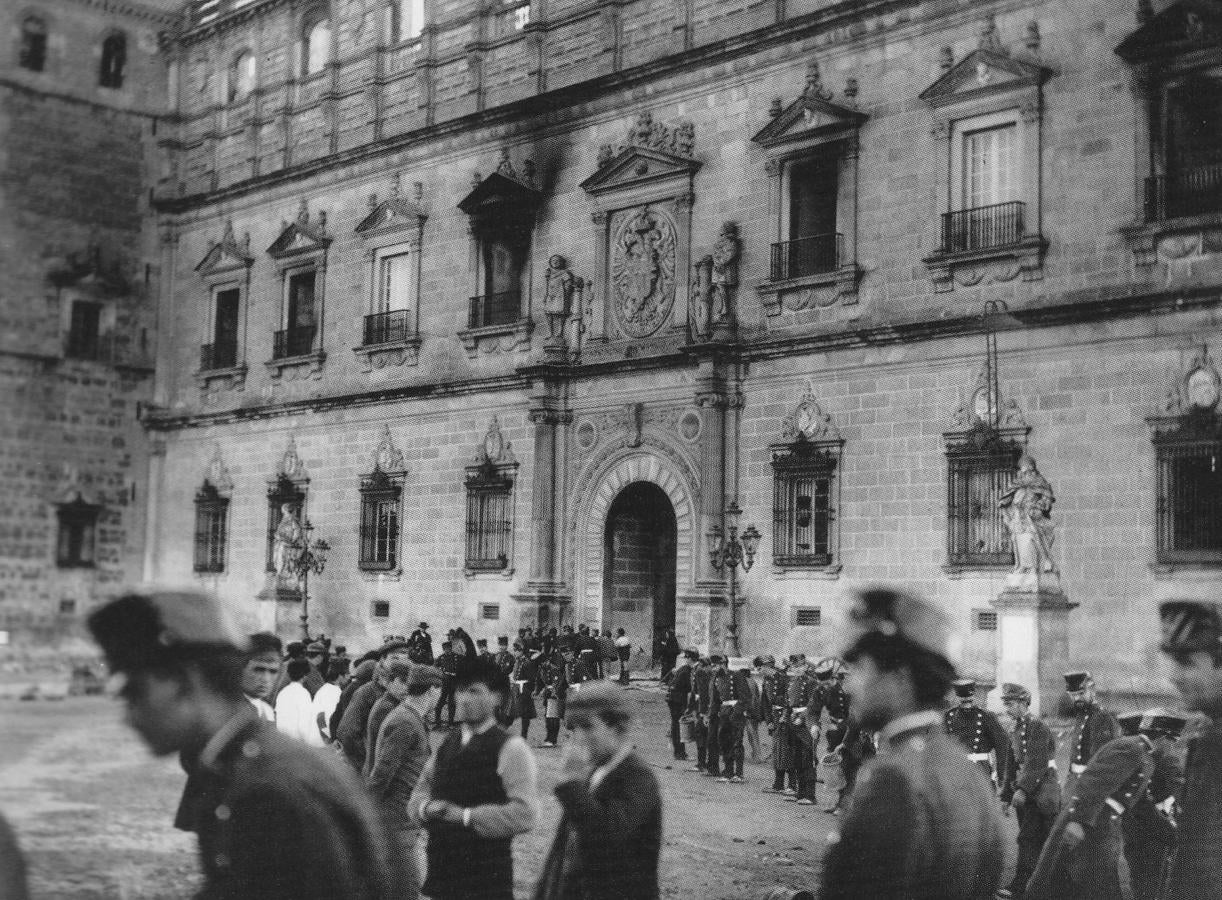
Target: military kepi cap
<point>1191,626</point>
<point>146,629</point>
<point>893,612</point>
<point>1078,681</point>
<point>1011,691</point>
<point>1164,721</point>
<point>825,670</point>
<point>965,687</point>
<point>1130,723</point>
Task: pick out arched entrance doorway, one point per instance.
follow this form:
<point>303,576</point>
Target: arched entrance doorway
<point>639,558</point>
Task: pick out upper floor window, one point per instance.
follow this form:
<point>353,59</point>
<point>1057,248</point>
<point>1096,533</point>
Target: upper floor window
<point>33,54</point>
<point>300,255</point>
<point>490,505</point>
<point>241,76</point>
<point>211,529</point>
<point>1189,149</point>
<point>380,498</point>
<point>222,353</point>
<point>316,50</point>
<point>77,537</point>
<point>812,242</point>
<point>84,330</point>
<point>514,15</point>
<point>114,61</point>
<point>406,20</point>
<point>805,489</point>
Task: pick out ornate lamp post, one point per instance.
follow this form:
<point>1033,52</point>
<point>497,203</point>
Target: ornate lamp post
<point>311,556</point>
<point>729,552</point>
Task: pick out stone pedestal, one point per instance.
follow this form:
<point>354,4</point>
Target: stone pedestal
<point>700,618</point>
<point>1033,637</point>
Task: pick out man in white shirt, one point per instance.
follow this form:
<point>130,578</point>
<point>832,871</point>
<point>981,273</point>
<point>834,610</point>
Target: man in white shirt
<point>328,696</point>
<point>295,707</point>
<point>261,672</point>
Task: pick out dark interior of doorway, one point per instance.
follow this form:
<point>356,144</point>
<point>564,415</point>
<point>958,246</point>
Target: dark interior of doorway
<point>639,563</point>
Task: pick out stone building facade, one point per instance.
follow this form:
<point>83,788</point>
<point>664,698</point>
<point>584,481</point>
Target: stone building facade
<point>505,298</point>
<point>81,86</point>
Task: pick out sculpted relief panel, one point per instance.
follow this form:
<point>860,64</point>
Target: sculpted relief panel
<point>642,268</point>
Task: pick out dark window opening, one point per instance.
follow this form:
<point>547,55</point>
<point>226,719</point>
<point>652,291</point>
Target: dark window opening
<point>114,60</point>
<point>211,529</point>
<point>381,609</point>
<point>1189,510</point>
<point>985,620</point>
<point>812,244</point>
<point>503,254</point>
<point>78,525</point>
<point>222,353</point>
<point>977,479</point>
<point>1192,152</point>
<point>84,330</point>
<point>489,526</point>
<point>803,510</point>
<point>379,524</point>
<point>297,338</point>
<point>808,616</point>
<point>33,55</point>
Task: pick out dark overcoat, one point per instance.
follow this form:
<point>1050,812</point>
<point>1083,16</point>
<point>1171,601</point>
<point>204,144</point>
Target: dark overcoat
<point>1196,868</point>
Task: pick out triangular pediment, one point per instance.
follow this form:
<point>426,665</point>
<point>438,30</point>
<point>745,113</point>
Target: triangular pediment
<point>638,165</point>
<point>224,255</point>
<point>298,237</point>
<point>391,214</point>
<point>499,192</point>
<point>984,71</point>
<point>1180,28</point>
<point>808,117</point>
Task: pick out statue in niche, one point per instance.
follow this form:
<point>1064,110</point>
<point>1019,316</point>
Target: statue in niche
<point>725,273</point>
<point>1026,511</point>
<point>559,283</point>
<point>289,543</point>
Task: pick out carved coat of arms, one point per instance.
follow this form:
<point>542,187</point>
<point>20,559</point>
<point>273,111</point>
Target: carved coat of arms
<point>643,272</point>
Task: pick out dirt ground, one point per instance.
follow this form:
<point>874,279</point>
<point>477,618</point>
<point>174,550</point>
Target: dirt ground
<point>93,811</point>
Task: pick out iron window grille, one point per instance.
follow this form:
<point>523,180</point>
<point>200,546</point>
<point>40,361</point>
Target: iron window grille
<point>387,327</point>
<point>381,609</point>
<point>980,470</point>
<point>76,543</point>
<point>808,617</point>
<point>283,491</point>
<point>504,308</point>
<point>803,505</point>
<point>1188,508</point>
<point>489,519</point>
<point>84,331</point>
<point>1192,191</point>
<point>806,256</point>
<point>211,529</point>
<point>984,619</point>
<point>33,54</point>
<point>490,612</point>
<point>380,504</point>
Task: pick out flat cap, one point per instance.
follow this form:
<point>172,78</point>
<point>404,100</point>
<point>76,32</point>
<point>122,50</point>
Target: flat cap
<point>964,687</point>
<point>1011,691</point>
<point>1078,681</point>
<point>424,676</point>
<point>602,699</point>
<point>140,630</point>
<point>1164,721</point>
<point>894,612</point>
<point>1191,626</point>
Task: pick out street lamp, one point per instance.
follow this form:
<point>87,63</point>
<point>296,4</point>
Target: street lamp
<point>730,553</point>
<point>310,557</point>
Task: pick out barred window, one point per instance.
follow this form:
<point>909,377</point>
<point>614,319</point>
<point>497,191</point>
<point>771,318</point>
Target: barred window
<point>978,475</point>
<point>283,491</point>
<point>1189,505</point>
<point>33,55</point>
<point>114,61</point>
<point>211,529</point>
<point>489,519</point>
<point>803,507</point>
<point>77,536</point>
<point>380,499</point>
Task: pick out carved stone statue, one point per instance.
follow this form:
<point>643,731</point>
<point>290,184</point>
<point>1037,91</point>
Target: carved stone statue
<point>559,283</point>
<point>1026,511</point>
<point>289,543</point>
<point>725,272</point>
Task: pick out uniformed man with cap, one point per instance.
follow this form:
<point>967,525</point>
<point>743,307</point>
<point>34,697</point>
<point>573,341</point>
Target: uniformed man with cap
<point>1081,858</point>
<point>979,730</point>
<point>923,823</point>
<point>1149,828</point>
<point>774,702</point>
<point>277,820</point>
<point>1030,786</point>
<point>1093,726</point>
<point>835,702</point>
<point>806,711</point>
<point>1192,642</point>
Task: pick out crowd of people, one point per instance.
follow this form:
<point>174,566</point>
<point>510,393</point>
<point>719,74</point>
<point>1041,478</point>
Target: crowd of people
<point>309,776</point>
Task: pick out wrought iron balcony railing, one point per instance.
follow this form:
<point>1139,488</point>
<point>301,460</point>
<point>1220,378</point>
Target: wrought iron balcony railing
<point>387,327</point>
<point>218,356</point>
<point>495,309</point>
<point>806,256</point>
<point>297,341</point>
<point>982,228</point>
<point>1189,192</point>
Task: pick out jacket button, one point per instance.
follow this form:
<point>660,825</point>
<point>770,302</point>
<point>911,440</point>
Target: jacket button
<point>222,861</point>
<point>222,813</point>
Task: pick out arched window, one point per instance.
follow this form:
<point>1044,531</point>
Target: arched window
<point>33,54</point>
<point>241,76</point>
<point>317,49</point>
<point>407,20</point>
<point>114,60</point>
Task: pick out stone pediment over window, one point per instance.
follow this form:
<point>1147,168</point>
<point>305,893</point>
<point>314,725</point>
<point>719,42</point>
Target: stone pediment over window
<point>395,213</point>
<point>810,117</point>
<point>301,236</point>
<point>500,192</point>
<point>984,72</point>
<point>635,166</point>
<point>1182,28</point>
<point>226,256</point>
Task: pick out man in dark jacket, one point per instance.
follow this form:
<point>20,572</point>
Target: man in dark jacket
<point>1192,641</point>
<point>353,731</point>
<point>278,821</point>
<point>420,645</point>
<point>924,823</point>
<point>610,833</point>
<point>447,664</point>
<point>678,700</point>
<point>1149,828</point>
<point>1093,726</point>
<point>1031,784</point>
<point>979,730</point>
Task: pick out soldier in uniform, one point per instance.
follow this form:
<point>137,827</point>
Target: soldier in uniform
<point>1093,726</point>
<point>774,703</point>
<point>1192,641</point>
<point>979,731</point>
<point>924,824</point>
<point>706,749</point>
<point>679,700</point>
<point>448,665</point>
<point>1149,828</point>
<point>551,692</point>
<point>806,709</point>
<point>1030,786</point>
<point>276,820</point>
<point>733,693</point>
<point>1081,858</point>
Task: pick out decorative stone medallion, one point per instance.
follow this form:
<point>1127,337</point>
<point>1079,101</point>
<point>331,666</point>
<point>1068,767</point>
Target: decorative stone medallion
<point>690,426</point>
<point>586,434</point>
<point>643,271</point>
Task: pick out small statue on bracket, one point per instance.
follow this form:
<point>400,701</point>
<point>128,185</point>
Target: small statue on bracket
<point>716,277</point>
<point>559,284</point>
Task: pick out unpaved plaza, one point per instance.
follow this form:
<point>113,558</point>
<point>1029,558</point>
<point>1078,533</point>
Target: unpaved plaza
<point>93,813</point>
